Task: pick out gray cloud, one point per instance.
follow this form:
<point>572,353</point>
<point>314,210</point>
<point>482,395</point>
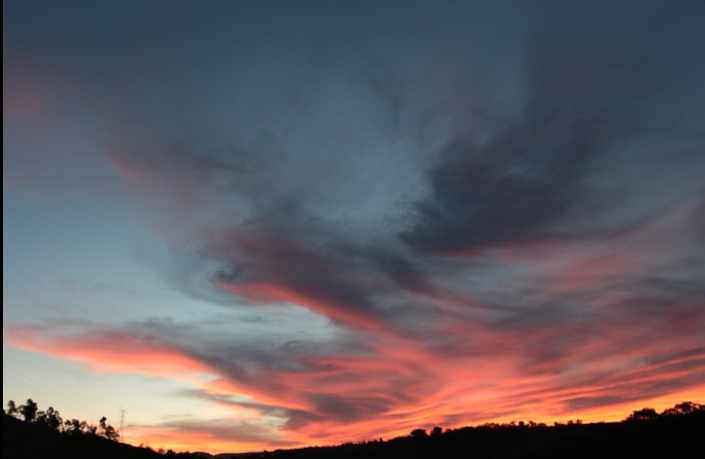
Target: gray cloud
<point>510,189</point>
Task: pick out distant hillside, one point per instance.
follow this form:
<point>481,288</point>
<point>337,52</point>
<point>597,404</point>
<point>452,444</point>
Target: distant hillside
<point>676,436</point>
<point>22,440</point>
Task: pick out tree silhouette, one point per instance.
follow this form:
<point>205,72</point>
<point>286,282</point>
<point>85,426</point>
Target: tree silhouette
<point>12,409</point>
<point>684,408</point>
<point>29,410</point>
<point>107,430</point>
<point>51,419</point>
<point>643,415</point>
<point>76,427</point>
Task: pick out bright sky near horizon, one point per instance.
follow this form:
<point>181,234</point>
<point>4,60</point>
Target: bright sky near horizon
<point>258,225</point>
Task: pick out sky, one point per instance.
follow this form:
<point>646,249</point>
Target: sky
<point>261,225</point>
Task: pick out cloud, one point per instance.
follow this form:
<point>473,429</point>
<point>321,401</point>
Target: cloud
<point>510,189</point>
<point>215,435</point>
<point>481,224</point>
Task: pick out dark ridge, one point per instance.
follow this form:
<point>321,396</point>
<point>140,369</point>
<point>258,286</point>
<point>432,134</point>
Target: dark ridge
<point>23,440</point>
<point>645,433</point>
<point>665,436</point>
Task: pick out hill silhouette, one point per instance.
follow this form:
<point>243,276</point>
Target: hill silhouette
<point>644,434</point>
<point>24,440</point>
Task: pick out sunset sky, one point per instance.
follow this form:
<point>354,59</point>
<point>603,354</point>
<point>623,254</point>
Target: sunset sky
<point>268,224</point>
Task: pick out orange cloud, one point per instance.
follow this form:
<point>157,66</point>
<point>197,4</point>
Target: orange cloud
<point>117,353</point>
<point>398,383</point>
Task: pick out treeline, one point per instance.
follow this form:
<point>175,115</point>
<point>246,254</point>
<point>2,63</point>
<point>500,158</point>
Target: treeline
<point>33,433</point>
<point>644,433</point>
<point>650,413</point>
<point>51,420</point>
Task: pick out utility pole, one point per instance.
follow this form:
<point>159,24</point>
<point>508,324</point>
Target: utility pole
<point>122,424</point>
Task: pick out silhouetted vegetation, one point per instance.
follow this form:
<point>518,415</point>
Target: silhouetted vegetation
<point>51,420</point>
<point>645,433</point>
<point>29,433</point>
